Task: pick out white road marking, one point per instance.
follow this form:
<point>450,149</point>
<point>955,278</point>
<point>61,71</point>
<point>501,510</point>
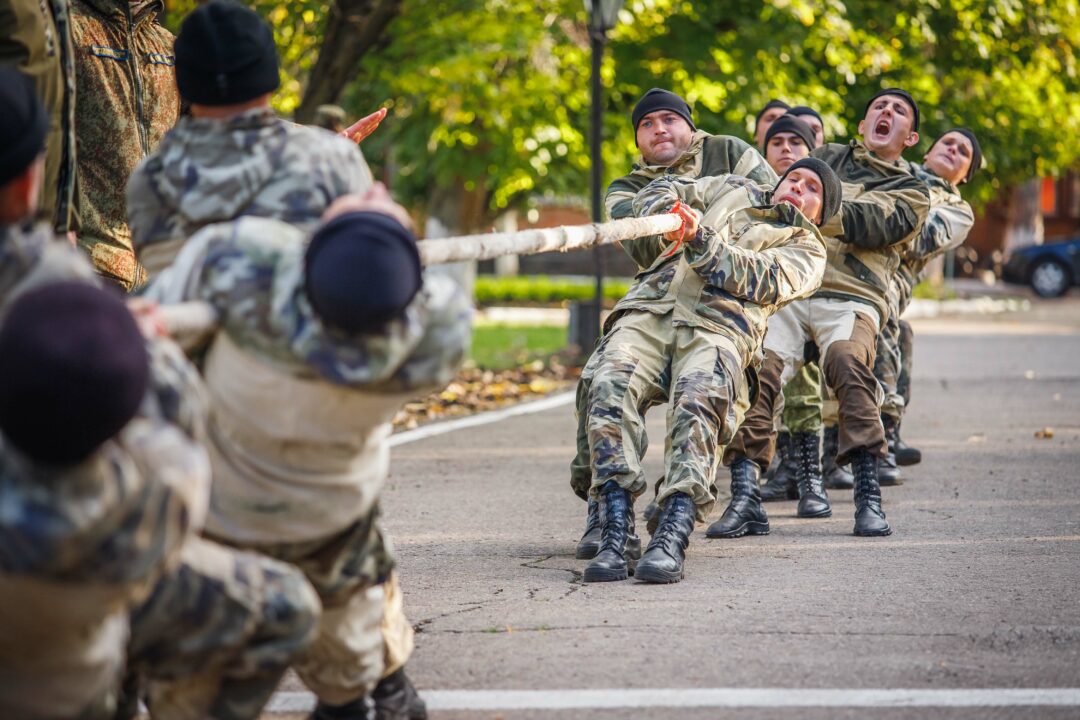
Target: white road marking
<point>486,418</point>
<point>292,702</point>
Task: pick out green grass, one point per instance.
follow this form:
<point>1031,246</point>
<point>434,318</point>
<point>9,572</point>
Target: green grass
<point>542,289</point>
<point>498,347</point>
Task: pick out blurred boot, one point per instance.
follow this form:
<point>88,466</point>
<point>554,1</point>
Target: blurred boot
<point>888,471</point>
<point>836,477</point>
<point>589,544</point>
<point>744,514</point>
<point>813,500</point>
<point>869,517</point>
<point>663,559</point>
<point>781,484</point>
<point>395,698</point>
<point>619,546</point>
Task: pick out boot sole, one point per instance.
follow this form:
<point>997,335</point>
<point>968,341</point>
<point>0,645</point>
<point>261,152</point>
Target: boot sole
<point>605,575</point>
<point>890,483</point>
<point>653,575</point>
<point>747,528</point>
<point>907,462</point>
<point>827,512</point>
<point>875,533</point>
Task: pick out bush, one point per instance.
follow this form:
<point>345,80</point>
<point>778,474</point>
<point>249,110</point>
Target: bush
<point>543,289</point>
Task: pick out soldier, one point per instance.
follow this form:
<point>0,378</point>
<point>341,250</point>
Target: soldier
<point>670,144</point>
<point>127,101</point>
<point>951,161</point>
<point>690,328</point>
<point>766,116</point>
<point>233,156</point>
<point>104,439</point>
<point>812,118</point>
<point>322,339</point>
<point>884,206</point>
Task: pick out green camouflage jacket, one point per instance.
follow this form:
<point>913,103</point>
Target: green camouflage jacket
<point>749,259</point>
<point>208,171</point>
<point>707,155</point>
<point>884,208</point>
<point>35,35</point>
<point>127,101</point>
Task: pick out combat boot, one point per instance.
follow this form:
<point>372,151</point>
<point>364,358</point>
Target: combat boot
<point>888,472</point>
<point>813,500</point>
<point>869,517</point>
<point>589,544</point>
<point>663,559</point>
<point>619,546</point>
<point>395,698</point>
<point>836,477</point>
<point>905,454</point>
<point>781,482</point>
<point>354,710</point>
<point>744,514</point>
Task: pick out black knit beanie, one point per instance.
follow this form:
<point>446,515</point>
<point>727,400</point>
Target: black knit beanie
<point>362,269</point>
<point>801,110</point>
<point>790,124</point>
<point>657,99</point>
<point>976,151</point>
<point>832,192</point>
<point>75,371</point>
<point>907,98</point>
<point>225,55</point>
<point>23,124</point>
<point>769,106</point>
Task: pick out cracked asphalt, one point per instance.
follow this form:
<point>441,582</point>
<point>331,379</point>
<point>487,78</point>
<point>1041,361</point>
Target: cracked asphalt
<point>978,587</point>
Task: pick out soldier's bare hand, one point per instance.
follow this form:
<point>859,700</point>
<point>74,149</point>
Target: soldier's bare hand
<point>148,317</point>
<point>364,126</point>
<point>689,226</point>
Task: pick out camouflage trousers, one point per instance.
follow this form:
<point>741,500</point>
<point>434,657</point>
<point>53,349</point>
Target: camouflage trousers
<point>362,634</point>
<point>642,359</point>
<point>892,368</point>
<point>215,636</point>
<point>802,401</point>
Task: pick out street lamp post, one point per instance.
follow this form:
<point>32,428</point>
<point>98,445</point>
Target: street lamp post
<point>603,15</point>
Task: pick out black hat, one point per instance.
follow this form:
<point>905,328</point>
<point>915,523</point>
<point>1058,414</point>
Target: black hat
<point>976,151</point>
<point>790,124</point>
<point>800,110</point>
<point>75,371</point>
<point>832,192</point>
<point>23,124</point>
<point>361,270</point>
<point>657,99</point>
<point>769,106</point>
<point>907,98</point>
<point>225,54</point>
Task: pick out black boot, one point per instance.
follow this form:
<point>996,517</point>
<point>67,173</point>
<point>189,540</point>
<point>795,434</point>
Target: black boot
<point>663,559</point>
<point>905,454</point>
<point>396,699</point>
<point>744,514</point>
<point>869,517</point>
<point>781,483</point>
<point>355,710</point>
<point>813,500</point>
<point>888,472</point>
<point>836,477</point>
<point>589,544</point>
<point>619,546</point>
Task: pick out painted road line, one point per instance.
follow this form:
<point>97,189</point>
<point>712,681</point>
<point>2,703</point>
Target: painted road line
<point>525,408</point>
<point>292,702</point>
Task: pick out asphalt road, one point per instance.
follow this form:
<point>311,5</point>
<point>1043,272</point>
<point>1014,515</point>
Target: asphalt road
<point>978,587</point>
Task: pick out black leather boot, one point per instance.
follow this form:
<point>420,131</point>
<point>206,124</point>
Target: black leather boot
<point>888,471</point>
<point>395,698</point>
<point>619,546</point>
<point>869,517</point>
<point>355,710</point>
<point>905,454</point>
<point>813,500</point>
<point>836,477</point>
<point>589,544</point>
<point>663,559</point>
<point>781,484</point>
<point>744,514</point>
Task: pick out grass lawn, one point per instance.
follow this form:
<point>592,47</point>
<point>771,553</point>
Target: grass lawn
<point>498,347</point>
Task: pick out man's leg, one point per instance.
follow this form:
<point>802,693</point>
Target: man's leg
<point>802,415</point>
<point>905,454</point>
<point>581,476</point>
<point>394,696</point>
<point>216,635</point>
<point>846,332</point>
<point>887,372</point>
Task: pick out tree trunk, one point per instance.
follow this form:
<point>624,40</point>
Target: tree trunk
<point>353,27</point>
<point>1025,220</point>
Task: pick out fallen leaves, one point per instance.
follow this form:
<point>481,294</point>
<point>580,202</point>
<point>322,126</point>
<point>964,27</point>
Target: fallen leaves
<point>1045,433</point>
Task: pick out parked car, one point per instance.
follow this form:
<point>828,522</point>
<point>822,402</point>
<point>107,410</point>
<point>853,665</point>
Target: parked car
<point>1050,269</point>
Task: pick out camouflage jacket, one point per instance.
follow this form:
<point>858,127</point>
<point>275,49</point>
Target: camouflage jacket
<point>31,255</point>
<point>707,155</point>
<point>127,101</point>
<point>35,35</point>
<point>749,259</point>
<point>256,164</point>
<point>884,208</point>
<point>301,412</point>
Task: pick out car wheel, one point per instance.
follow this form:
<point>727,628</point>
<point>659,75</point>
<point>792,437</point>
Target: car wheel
<point>1050,279</point>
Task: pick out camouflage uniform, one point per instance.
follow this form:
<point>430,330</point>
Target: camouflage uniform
<point>884,206</point>
<point>947,226</point>
<point>803,401</point>
<point>301,415</point>
<point>707,155</point>
<point>35,35</point>
<point>218,628</point>
<point>127,101</point>
<point>255,164</point>
<point>692,327</point>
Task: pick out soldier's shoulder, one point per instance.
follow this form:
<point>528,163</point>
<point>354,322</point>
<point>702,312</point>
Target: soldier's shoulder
<point>317,143</point>
<point>830,152</point>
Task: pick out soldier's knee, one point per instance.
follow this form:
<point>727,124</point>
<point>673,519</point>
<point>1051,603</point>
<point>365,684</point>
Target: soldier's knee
<point>846,363</point>
<point>292,610</point>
